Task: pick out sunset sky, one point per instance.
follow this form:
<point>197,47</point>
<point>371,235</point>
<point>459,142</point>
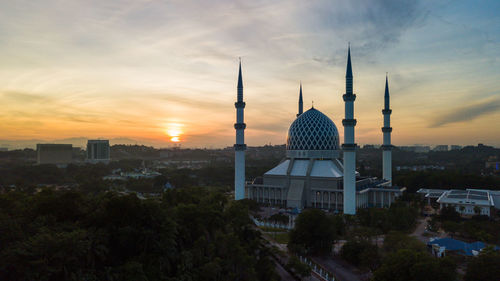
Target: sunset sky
<point>142,69</point>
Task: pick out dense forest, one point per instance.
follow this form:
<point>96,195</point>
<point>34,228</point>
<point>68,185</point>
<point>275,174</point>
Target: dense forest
<point>192,234</point>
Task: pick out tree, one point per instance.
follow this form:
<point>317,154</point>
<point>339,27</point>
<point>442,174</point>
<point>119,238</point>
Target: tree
<point>477,210</point>
<point>449,214</point>
<point>194,234</point>
<point>361,253</point>
<point>279,218</point>
<point>314,233</point>
<point>395,241</point>
<point>412,265</point>
<point>302,269</point>
<point>485,267</point>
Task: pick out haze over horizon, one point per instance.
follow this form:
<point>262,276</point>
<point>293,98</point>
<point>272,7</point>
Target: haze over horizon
<point>163,71</point>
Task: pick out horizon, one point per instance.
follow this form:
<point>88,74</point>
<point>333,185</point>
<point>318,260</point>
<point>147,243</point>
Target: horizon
<point>81,142</point>
<point>165,73</point>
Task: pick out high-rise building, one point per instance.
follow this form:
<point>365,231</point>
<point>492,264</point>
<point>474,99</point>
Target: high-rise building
<point>59,154</point>
<point>98,151</point>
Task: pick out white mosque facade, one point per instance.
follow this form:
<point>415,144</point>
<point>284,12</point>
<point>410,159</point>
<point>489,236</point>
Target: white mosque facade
<point>317,172</point>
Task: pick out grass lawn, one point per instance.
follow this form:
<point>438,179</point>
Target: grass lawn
<point>271,229</point>
<point>279,237</point>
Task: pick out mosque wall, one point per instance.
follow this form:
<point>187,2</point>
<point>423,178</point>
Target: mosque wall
<point>324,183</point>
<point>275,180</point>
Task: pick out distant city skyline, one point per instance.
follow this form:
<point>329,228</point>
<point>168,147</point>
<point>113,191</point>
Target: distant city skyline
<point>165,72</point>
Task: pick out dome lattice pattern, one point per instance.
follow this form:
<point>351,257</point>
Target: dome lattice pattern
<point>312,130</point>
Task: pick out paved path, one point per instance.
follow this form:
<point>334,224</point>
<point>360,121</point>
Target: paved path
<point>284,275</point>
<point>420,230</point>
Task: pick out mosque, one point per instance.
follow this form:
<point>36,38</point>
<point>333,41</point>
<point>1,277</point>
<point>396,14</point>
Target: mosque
<point>317,172</point>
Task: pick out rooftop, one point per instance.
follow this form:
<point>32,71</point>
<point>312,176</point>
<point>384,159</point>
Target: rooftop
<point>468,196</point>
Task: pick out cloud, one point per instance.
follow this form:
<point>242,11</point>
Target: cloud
<point>467,113</point>
<point>370,25</point>
<point>20,97</point>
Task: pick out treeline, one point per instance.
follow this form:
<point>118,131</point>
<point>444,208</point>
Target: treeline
<point>193,234</point>
<point>315,231</point>
<point>444,179</point>
<point>476,228</point>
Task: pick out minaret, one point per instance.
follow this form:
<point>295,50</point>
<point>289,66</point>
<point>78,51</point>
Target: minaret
<point>301,104</point>
<point>349,146</point>
<point>387,147</point>
<point>240,146</point>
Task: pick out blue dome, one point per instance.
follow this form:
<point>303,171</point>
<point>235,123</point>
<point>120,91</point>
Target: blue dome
<point>312,130</point>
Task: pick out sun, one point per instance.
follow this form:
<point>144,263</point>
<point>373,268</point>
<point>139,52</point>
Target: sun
<point>174,132</point>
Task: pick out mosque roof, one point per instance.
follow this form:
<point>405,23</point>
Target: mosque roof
<point>320,168</point>
<point>313,130</point>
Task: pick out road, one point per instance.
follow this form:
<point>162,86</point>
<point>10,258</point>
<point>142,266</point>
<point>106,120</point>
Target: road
<point>284,275</point>
<point>420,230</point>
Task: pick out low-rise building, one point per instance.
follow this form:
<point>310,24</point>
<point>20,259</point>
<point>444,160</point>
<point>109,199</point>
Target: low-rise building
<point>431,195</point>
<point>468,202</point>
<point>464,201</point>
<point>439,247</point>
<point>441,147</point>
<point>59,154</point>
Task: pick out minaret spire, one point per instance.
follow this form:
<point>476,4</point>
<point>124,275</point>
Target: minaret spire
<point>386,95</point>
<point>301,103</point>
<point>240,84</point>
<point>240,146</point>
<point>348,73</point>
<point>349,146</point>
<point>386,130</point>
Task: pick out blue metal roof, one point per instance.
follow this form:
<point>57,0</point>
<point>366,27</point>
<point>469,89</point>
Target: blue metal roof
<point>460,246</point>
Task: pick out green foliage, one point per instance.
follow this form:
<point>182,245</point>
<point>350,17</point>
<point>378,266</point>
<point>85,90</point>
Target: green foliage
<point>281,237</point>
<point>412,265</point>
<point>399,217</point>
<point>194,234</point>
<point>279,218</point>
<point>451,226</point>
<point>395,241</point>
<point>480,228</point>
<point>485,267</point>
<point>459,178</point>
<point>314,232</point>
<point>302,269</point>
<point>449,214</point>
<point>361,253</point>
<point>406,258</point>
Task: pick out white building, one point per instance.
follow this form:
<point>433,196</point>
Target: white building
<point>466,201</point>
<point>318,172</point>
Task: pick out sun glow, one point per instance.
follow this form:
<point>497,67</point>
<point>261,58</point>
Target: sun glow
<point>175,132</point>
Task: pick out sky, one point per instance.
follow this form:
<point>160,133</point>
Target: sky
<point>156,72</point>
